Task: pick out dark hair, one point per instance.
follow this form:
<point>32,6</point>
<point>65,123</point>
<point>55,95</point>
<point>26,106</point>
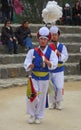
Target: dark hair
<point>7,20</point>
<point>24,22</point>
<point>77,1</point>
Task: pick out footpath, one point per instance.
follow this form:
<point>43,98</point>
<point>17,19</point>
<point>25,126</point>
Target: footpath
<point>13,110</point>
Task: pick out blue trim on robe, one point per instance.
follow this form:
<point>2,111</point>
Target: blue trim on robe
<point>59,68</point>
<point>38,64</point>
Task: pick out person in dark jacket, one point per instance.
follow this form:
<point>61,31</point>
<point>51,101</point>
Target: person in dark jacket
<point>8,37</point>
<point>23,34</point>
<point>67,14</point>
<point>76,13</point>
<point>5,10</point>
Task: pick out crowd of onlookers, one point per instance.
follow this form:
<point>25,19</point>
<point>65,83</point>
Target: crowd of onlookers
<point>21,35</point>
<point>10,8</point>
<point>10,37</point>
<point>72,15</point>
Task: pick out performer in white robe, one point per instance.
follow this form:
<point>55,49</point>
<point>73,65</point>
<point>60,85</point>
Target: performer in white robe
<point>40,66</point>
<point>55,101</point>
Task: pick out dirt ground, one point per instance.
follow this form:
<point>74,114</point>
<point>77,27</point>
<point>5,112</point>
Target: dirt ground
<point>13,110</point>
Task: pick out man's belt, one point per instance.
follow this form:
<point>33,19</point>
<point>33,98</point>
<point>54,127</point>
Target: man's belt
<point>60,64</point>
<point>40,74</point>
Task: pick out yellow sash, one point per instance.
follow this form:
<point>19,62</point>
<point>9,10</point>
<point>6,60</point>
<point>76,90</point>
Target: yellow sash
<point>59,64</point>
<point>40,74</point>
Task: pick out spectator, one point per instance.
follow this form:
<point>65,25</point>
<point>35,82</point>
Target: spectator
<point>67,19</point>
<point>18,8</point>
<point>8,37</point>
<point>11,9</point>
<point>76,13</point>
<point>5,10</point>
<point>23,34</point>
<point>0,12</point>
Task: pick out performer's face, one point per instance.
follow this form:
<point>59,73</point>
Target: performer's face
<point>43,42</point>
<point>54,37</point>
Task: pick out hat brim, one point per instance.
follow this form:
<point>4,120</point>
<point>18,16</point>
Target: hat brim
<point>43,37</point>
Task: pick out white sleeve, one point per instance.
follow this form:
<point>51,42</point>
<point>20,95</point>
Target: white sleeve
<point>53,60</point>
<point>64,54</point>
<point>28,59</point>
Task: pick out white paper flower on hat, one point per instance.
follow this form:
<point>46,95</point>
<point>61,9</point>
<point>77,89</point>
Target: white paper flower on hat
<point>52,12</point>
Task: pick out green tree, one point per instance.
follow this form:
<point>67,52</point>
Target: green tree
<point>33,8</point>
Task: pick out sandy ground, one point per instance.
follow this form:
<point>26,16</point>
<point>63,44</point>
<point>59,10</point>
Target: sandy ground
<point>13,110</point>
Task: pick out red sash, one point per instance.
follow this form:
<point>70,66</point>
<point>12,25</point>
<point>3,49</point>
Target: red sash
<point>52,46</point>
<point>40,53</point>
<point>31,92</point>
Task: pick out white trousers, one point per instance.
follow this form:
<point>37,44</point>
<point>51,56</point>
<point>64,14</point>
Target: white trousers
<point>58,80</point>
<point>37,107</point>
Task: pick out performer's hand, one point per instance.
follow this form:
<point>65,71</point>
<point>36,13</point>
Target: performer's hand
<point>31,66</point>
<point>58,53</point>
<point>48,62</point>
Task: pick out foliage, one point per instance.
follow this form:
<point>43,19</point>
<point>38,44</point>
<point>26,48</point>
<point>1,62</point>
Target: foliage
<point>33,8</point>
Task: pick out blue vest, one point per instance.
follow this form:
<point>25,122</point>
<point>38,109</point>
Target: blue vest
<point>37,61</point>
<point>60,64</point>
